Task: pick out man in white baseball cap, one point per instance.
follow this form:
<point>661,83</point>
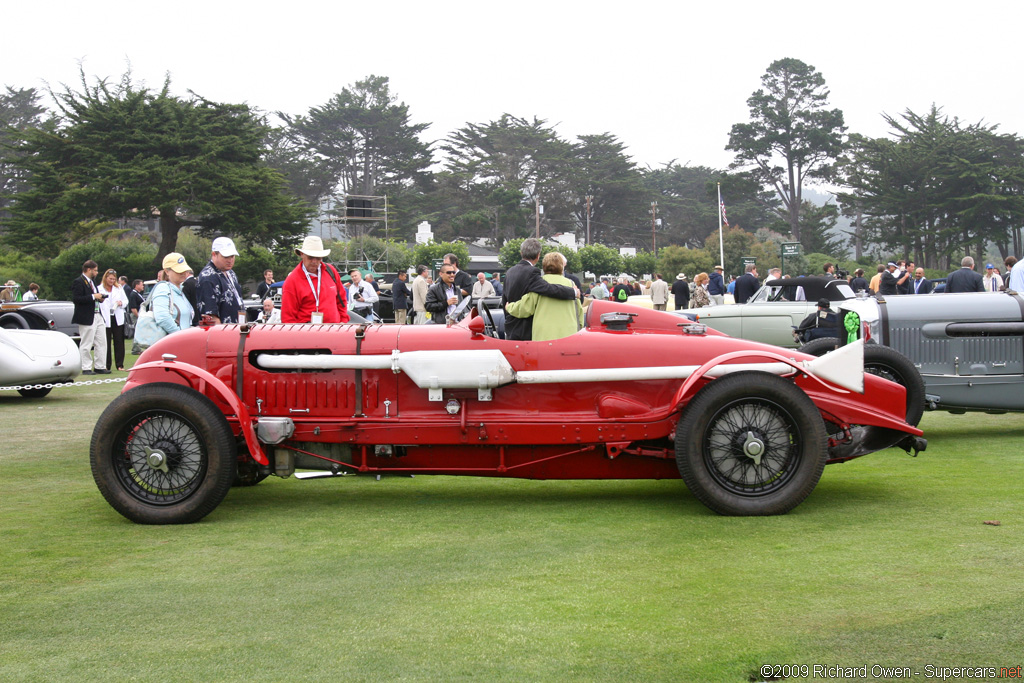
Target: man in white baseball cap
<point>220,294</point>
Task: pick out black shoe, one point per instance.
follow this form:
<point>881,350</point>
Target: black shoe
<point>86,372</point>
<point>104,371</point>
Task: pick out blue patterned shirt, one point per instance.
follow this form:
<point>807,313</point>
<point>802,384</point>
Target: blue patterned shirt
<point>219,293</point>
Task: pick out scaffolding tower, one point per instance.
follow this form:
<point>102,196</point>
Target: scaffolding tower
<point>355,215</point>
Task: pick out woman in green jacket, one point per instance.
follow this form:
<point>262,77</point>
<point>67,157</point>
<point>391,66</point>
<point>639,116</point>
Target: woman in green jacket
<point>552,318</point>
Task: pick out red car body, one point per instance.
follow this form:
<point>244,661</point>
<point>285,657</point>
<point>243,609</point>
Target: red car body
<point>607,402</point>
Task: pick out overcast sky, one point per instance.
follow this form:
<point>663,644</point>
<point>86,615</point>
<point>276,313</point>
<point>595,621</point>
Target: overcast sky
<point>668,79</point>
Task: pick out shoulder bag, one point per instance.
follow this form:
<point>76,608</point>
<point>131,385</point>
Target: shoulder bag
<point>147,332</point>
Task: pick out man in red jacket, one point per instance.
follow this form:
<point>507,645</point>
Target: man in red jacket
<point>313,291</point>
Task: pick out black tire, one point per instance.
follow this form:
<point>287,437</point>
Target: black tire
<point>894,366</point>
<point>13,321</point>
<point>163,454</point>
<point>34,393</point>
<point>819,347</point>
<point>888,363</point>
<point>724,427</point>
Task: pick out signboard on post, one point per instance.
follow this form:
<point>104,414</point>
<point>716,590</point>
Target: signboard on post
<point>748,261</point>
<point>438,262</point>
<point>788,249</point>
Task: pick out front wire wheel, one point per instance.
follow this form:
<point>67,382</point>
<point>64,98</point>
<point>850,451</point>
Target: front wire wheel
<point>163,454</point>
<point>751,444</point>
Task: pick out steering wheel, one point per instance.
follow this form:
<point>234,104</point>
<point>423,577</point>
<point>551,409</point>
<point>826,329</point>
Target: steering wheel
<point>490,329</point>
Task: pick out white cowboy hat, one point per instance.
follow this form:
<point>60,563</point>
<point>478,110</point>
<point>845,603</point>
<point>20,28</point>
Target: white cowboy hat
<point>313,246</point>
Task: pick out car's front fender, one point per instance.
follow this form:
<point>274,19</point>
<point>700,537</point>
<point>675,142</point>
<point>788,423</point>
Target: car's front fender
<point>202,381</point>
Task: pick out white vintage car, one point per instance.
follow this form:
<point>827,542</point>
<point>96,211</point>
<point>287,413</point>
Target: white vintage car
<point>37,357</point>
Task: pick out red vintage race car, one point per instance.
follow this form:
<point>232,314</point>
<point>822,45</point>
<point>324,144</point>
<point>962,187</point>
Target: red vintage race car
<point>635,394</point>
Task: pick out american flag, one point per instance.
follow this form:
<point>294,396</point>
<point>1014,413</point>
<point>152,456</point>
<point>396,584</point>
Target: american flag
<point>721,204</point>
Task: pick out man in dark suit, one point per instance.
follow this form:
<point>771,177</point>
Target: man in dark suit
<point>891,280</point>
<point>92,330</point>
<point>681,291</point>
<point>747,284</point>
<point>400,293</point>
<point>921,284</point>
<point>965,279</point>
<point>522,278</point>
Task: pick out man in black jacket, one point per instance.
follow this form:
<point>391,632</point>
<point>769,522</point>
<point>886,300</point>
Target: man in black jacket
<point>92,330</point>
<point>522,278</point>
<point>891,280</point>
<point>463,279</point>
<point>747,284</point>
<point>965,279</point>
<point>443,296</point>
<point>400,297</point>
<point>681,292</point>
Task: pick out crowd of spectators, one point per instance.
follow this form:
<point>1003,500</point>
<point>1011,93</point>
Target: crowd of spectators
<point>539,304</point>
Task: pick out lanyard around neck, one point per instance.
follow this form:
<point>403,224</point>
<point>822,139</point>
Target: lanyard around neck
<point>315,290</point>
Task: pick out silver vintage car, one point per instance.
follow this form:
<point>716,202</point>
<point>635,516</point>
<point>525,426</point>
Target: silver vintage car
<point>968,348</point>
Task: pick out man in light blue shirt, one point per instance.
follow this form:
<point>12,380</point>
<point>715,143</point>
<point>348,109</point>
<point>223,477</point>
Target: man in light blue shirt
<point>1017,277</point>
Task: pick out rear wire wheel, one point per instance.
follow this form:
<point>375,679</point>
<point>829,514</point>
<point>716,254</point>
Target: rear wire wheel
<point>751,443</point>
<point>163,454</point>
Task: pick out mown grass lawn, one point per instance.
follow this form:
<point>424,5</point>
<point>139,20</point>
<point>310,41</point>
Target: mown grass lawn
<point>888,562</point>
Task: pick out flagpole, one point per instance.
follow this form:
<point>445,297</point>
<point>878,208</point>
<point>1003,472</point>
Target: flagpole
<point>721,249</point>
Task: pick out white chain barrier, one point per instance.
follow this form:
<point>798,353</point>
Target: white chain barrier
<point>110,380</point>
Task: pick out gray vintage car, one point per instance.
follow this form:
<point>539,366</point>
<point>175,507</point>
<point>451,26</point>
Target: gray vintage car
<point>774,310</point>
<point>968,348</point>
<point>39,315</point>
